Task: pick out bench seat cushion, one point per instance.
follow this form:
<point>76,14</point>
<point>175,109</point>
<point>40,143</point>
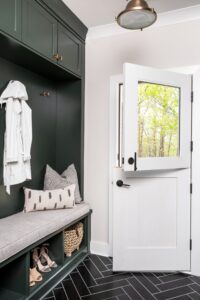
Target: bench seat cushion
<point>23,229</point>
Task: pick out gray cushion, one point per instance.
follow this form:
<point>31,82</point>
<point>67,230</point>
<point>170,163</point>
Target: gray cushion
<point>22,230</point>
<point>53,180</point>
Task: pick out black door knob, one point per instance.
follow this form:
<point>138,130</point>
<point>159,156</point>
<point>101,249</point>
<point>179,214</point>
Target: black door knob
<point>120,183</point>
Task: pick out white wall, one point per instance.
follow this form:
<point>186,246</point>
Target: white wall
<point>164,47</point>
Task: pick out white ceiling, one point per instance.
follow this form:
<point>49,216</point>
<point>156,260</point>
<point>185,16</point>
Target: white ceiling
<point>101,12</point>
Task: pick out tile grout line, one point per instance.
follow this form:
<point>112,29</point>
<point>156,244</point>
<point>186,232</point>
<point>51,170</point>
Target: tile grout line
<point>155,285</point>
<point>134,290</point>
<point>142,285</point>
<point>65,291</point>
<point>174,289</point>
<point>75,286</point>
<point>195,282</point>
<point>112,289</point>
<point>95,279</point>
<point>55,296</point>
<point>193,289</point>
<point>84,281</point>
<point>96,268</point>
<point>175,297</point>
<point>150,279</point>
<point>99,284</point>
<point>102,262</point>
<point>175,280</point>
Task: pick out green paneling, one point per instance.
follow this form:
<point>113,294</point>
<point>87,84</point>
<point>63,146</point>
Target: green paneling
<point>44,132</point>
<point>39,29</point>
<point>10,17</point>
<point>68,131</point>
<point>69,47</point>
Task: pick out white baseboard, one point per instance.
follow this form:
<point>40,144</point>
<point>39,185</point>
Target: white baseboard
<point>99,248</point>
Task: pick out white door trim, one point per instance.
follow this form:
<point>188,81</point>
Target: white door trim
<point>112,148</point>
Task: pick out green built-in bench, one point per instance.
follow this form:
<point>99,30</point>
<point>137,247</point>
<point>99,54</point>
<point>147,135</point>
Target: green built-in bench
<point>21,232</point>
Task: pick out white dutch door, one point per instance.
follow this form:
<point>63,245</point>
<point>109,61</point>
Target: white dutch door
<point>151,177</point>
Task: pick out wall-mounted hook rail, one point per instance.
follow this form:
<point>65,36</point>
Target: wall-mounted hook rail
<point>45,94</point>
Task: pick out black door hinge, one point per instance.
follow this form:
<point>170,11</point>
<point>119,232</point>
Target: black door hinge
<point>122,160</point>
<point>191,188</point>
<point>190,244</point>
<point>192,96</point>
<point>191,146</point>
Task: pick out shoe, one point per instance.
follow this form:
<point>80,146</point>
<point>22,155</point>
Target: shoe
<point>38,263</point>
<point>44,256</point>
<point>31,280</point>
<point>35,275</point>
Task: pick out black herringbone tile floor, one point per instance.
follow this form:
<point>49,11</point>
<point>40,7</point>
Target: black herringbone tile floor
<point>94,280</point>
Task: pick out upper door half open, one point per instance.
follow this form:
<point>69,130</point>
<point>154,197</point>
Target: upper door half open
<point>156,119</point>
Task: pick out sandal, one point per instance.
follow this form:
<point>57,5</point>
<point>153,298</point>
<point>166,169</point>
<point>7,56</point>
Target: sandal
<point>44,256</point>
<point>36,276</point>
<point>31,280</point>
<point>38,263</point>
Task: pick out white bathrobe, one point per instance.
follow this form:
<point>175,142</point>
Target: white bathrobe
<point>18,135</point>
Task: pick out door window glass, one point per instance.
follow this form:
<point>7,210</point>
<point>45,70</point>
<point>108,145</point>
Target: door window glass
<point>158,120</point>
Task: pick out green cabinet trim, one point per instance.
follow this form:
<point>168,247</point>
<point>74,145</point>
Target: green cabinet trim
<point>69,47</point>
<point>42,31</point>
<point>66,16</point>
<point>39,29</point>
<point>10,17</point>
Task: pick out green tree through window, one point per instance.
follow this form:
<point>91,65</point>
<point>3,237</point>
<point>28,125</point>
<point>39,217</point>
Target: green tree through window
<point>158,120</point>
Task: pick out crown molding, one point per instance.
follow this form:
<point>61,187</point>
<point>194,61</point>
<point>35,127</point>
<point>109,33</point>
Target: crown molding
<point>164,19</point>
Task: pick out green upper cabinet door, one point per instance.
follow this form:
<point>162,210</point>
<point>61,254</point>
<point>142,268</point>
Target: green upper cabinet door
<point>10,17</point>
<point>39,29</point>
<point>69,50</point>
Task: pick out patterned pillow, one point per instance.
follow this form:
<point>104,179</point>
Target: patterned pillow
<point>53,180</point>
<point>44,200</point>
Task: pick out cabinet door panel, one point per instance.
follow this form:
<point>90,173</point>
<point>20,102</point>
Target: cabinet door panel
<point>69,47</point>
<point>10,17</point>
<point>39,29</point>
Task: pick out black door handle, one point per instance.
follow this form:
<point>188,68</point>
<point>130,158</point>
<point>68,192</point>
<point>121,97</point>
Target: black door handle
<point>120,183</point>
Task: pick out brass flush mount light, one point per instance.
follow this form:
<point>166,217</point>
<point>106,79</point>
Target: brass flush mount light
<point>137,15</point>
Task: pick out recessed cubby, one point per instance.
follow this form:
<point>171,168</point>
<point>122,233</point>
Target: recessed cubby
<point>55,252</point>
<point>83,248</point>
<point>14,279</point>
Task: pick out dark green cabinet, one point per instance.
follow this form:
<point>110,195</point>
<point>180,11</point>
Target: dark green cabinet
<point>29,22</point>
<point>39,29</point>
<point>69,50</point>
<point>10,17</point>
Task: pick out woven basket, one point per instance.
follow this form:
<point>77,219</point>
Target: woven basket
<point>73,238</point>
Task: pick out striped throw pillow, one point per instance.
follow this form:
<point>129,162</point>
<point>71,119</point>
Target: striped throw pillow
<point>52,199</point>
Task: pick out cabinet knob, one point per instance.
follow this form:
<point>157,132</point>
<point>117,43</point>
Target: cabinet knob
<point>60,58</point>
<point>56,56</point>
